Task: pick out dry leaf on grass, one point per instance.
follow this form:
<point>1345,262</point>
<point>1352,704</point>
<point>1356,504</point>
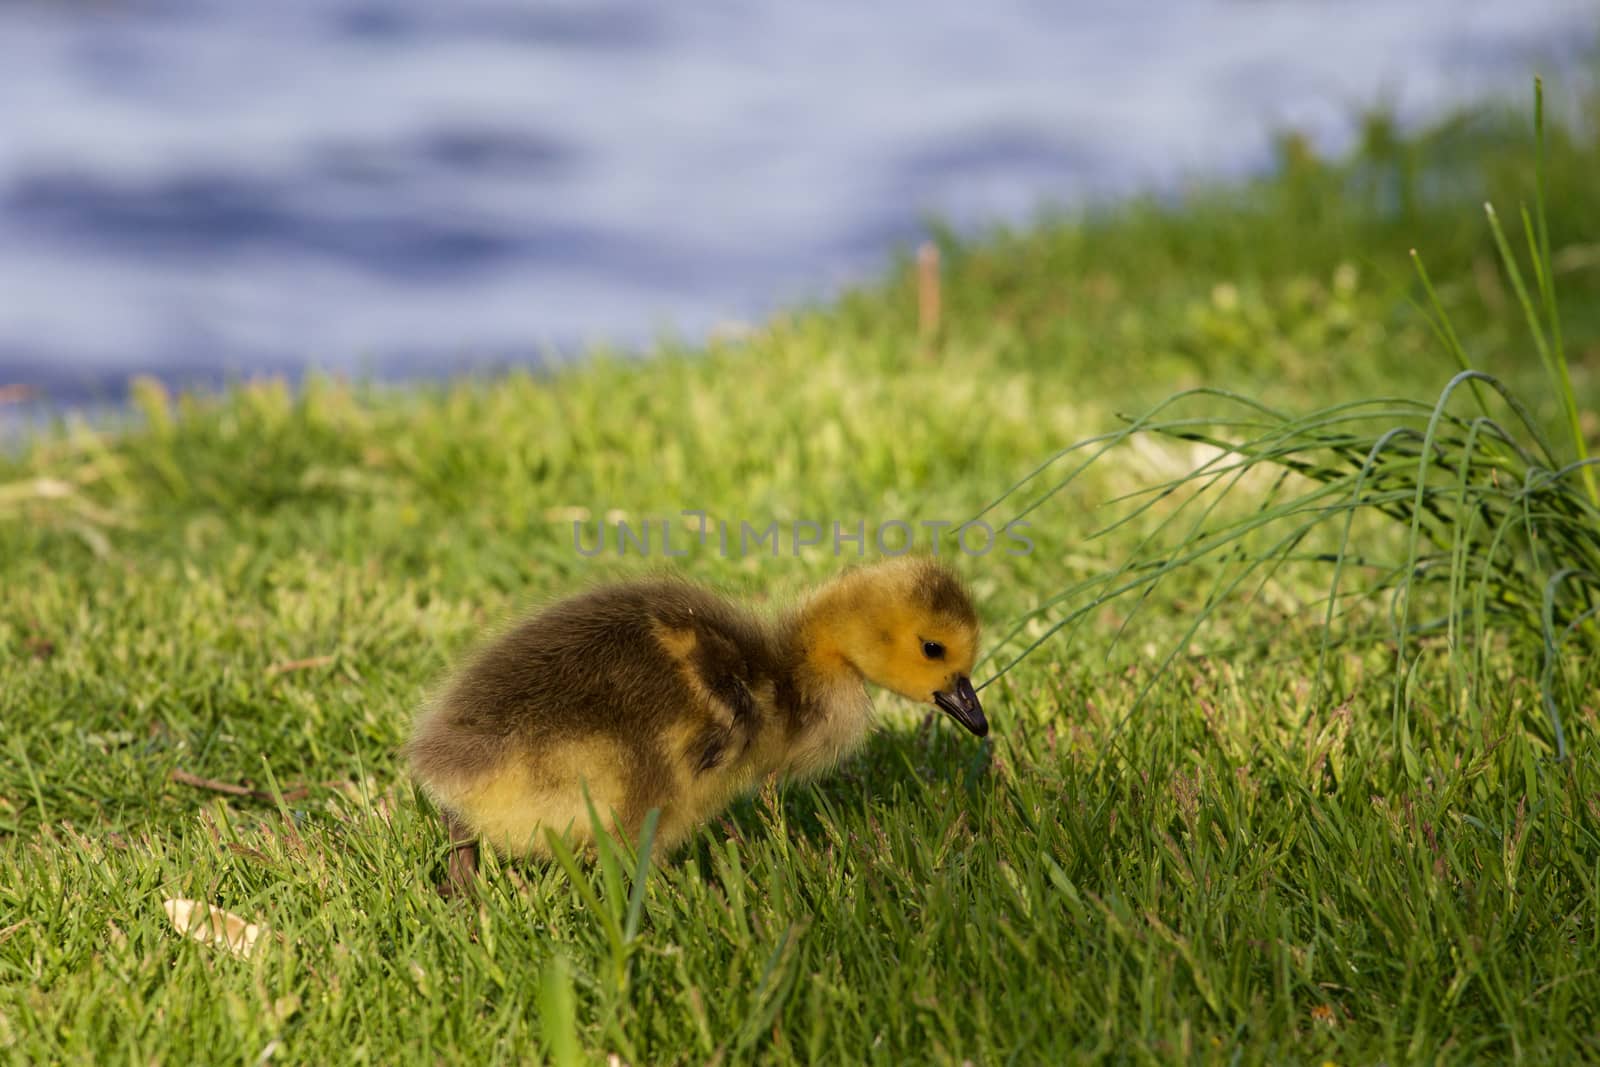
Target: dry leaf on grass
<point>213,926</point>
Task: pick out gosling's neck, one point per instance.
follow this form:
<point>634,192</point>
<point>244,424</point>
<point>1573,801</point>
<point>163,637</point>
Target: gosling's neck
<point>832,710</point>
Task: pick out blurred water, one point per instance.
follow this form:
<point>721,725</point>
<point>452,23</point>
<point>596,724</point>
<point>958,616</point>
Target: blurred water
<point>205,189</point>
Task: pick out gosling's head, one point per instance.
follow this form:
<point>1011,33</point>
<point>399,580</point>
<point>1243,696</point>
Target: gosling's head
<point>909,625</point>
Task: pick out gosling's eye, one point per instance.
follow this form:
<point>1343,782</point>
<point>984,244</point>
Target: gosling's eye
<point>933,650</point>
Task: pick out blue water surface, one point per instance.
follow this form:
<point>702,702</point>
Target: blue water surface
<point>203,190</point>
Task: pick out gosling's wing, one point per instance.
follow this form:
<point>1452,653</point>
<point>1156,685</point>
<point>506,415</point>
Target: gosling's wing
<point>726,662</point>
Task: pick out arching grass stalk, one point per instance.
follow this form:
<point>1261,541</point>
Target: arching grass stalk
<point>1485,533</point>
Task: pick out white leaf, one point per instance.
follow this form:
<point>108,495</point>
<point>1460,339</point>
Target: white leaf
<point>213,926</point>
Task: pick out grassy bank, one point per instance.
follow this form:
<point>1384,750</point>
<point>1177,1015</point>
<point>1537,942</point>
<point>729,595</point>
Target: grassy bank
<point>1238,859</point>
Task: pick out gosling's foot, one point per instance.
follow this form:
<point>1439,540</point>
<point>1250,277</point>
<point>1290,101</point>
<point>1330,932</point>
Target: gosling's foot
<point>462,872</point>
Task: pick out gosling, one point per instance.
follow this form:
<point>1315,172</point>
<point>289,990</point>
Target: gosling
<point>659,694</point>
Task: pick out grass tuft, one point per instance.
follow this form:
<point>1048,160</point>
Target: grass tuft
<point>1501,533</point>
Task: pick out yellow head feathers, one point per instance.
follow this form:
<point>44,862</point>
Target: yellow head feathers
<point>905,624</point>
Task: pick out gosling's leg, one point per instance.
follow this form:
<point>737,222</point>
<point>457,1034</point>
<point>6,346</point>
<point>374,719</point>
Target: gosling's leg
<point>463,867</point>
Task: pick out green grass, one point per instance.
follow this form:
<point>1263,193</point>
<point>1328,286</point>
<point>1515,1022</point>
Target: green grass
<point>1291,845</point>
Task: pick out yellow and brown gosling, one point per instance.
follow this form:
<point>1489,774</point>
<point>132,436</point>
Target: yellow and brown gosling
<point>661,694</point>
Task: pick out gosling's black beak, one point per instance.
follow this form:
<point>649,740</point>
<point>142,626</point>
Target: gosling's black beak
<point>962,706</point>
